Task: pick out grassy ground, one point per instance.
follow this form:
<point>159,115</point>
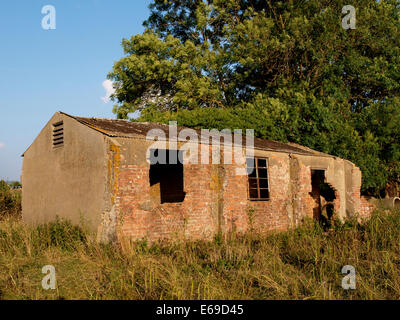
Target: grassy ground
<point>304,263</point>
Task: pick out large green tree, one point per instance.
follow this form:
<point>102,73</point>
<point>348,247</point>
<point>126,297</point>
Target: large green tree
<point>284,68</point>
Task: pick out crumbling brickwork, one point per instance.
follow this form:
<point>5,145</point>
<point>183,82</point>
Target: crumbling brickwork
<point>366,208</point>
<point>105,178</point>
<point>142,216</point>
<point>216,199</point>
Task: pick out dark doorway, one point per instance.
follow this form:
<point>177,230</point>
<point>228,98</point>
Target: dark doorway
<point>323,195</point>
<point>317,178</point>
<point>166,175</point>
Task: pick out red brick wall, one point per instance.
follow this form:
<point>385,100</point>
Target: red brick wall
<point>216,198</point>
<point>267,215</point>
<point>140,216</point>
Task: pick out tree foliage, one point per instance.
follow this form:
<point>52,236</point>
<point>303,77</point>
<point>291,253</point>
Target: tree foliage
<point>284,68</point>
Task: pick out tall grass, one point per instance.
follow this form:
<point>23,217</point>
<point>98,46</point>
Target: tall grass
<point>303,263</point>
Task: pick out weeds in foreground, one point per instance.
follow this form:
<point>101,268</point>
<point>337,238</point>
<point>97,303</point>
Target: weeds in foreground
<point>303,263</point>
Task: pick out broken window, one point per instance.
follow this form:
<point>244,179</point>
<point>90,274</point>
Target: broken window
<point>166,175</point>
<point>257,171</point>
<point>58,134</point>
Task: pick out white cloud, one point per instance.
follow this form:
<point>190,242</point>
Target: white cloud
<point>108,86</point>
<point>2,145</point>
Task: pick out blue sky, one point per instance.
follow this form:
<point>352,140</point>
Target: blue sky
<point>45,71</point>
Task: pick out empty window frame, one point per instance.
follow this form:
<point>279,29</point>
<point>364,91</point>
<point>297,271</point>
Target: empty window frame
<point>58,134</point>
<point>257,171</point>
<point>167,175</point>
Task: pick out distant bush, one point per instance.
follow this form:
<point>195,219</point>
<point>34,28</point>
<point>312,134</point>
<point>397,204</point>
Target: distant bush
<point>10,200</point>
<point>15,185</point>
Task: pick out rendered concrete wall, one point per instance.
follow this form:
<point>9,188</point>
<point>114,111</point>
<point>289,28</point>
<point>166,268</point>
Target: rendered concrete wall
<point>68,182</point>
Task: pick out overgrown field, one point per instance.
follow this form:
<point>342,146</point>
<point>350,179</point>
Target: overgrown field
<point>304,263</point>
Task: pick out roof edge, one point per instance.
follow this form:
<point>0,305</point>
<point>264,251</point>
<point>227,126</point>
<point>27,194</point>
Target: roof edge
<point>58,112</point>
<point>87,124</point>
<point>302,150</point>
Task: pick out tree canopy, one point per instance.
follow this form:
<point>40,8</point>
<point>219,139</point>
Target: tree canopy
<point>284,68</point>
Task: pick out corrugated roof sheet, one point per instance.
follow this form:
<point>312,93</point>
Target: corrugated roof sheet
<point>129,129</point>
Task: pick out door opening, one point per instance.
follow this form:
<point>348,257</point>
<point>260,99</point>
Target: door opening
<point>317,178</point>
<point>323,195</point>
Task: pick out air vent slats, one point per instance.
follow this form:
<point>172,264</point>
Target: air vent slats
<point>58,134</point>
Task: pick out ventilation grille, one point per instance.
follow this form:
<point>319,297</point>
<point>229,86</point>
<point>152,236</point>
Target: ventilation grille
<point>58,134</point>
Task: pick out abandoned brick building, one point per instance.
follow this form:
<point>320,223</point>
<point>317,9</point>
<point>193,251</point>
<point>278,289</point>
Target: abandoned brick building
<point>97,171</point>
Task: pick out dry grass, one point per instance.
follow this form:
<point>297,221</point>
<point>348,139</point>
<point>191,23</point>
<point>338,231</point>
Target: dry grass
<point>304,263</point>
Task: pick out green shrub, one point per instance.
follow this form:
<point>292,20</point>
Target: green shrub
<point>10,200</point>
<point>60,233</point>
